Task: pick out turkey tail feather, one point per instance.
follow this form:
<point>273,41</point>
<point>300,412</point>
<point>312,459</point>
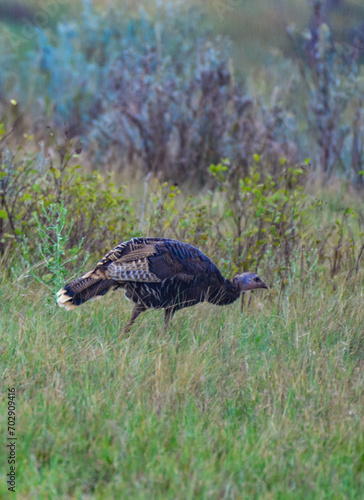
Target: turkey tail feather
<point>80,290</point>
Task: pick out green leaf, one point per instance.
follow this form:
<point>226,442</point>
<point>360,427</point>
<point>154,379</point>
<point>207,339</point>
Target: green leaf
<point>3,214</point>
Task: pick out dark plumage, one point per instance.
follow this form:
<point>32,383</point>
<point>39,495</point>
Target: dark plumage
<point>157,273</point>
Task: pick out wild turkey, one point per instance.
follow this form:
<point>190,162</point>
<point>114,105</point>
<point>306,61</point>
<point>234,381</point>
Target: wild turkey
<point>157,273</point>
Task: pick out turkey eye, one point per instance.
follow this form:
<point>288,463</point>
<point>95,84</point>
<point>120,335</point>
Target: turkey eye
<point>256,280</point>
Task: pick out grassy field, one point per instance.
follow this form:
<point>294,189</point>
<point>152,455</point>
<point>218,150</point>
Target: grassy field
<point>268,404</point>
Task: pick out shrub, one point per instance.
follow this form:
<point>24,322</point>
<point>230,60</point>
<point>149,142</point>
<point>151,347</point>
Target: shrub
<point>262,220</point>
<point>158,94</point>
<point>162,95</point>
<point>53,239</point>
<point>29,184</point>
<point>332,93</point>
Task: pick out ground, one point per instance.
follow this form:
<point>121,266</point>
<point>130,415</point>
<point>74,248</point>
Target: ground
<point>268,404</point>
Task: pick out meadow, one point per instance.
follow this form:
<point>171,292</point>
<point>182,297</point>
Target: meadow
<point>265,404</point>
<point>261,399</point>
<point>118,122</point>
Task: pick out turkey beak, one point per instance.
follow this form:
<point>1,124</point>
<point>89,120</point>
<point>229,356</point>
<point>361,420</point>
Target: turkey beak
<point>263,285</point>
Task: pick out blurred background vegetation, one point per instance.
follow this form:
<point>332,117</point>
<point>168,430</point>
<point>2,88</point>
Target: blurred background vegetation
<point>172,86</point>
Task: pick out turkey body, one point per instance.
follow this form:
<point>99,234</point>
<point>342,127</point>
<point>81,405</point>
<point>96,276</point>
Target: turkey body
<point>155,273</point>
<point>187,277</point>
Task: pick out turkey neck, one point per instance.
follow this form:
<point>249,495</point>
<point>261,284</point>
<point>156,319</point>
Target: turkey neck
<point>225,294</point>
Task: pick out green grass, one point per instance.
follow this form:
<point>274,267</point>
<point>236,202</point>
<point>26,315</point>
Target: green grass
<point>269,405</point>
